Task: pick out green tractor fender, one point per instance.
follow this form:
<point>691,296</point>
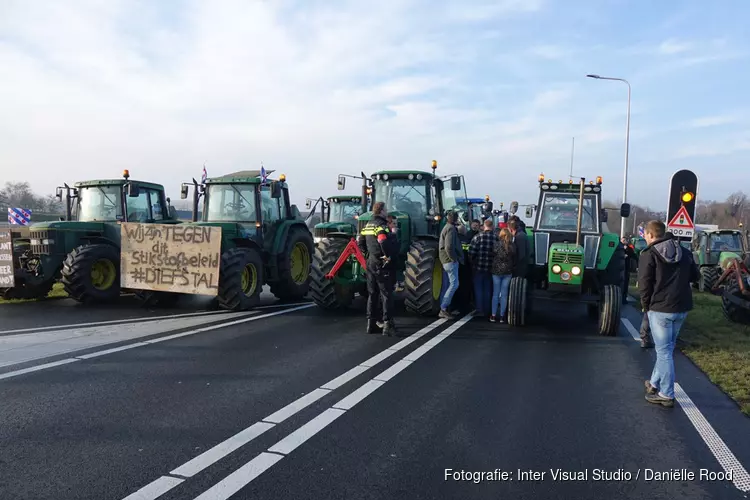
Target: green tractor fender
<point>608,246</point>
<point>290,260</point>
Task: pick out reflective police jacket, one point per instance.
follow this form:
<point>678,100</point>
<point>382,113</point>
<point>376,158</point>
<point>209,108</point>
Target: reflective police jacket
<point>373,239</point>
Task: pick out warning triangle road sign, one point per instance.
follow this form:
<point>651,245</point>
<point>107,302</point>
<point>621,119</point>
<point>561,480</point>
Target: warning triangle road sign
<point>681,220</point>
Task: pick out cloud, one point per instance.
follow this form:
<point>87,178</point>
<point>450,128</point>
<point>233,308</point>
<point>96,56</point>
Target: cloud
<point>713,121</point>
<point>671,47</point>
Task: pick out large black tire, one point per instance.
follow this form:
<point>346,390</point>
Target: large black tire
<point>518,297</point>
<point>91,273</point>
<point>326,293</point>
<point>709,276</point>
<point>294,266</point>
<point>615,271</point>
<point>732,312</point>
<point>610,302</point>
<point>240,279</point>
<point>150,298</point>
<point>422,267</point>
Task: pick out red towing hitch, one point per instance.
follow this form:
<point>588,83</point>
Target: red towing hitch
<point>351,249</point>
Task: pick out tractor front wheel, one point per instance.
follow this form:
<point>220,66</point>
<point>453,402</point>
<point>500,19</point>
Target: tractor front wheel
<point>294,266</point>
<point>610,301</point>
<point>424,278</point>
<point>518,301</point>
<point>91,273</point>
<point>732,311</point>
<point>328,294</point>
<point>709,276</point>
<point>240,279</point>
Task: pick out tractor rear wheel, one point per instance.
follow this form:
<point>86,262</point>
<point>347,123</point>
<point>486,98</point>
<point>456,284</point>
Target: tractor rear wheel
<point>424,278</point>
<point>91,273</point>
<point>610,302</point>
<point>240,279</point>
<point>294,266</point>
<point>326,293</point>
<point>709,276</point>
<point>518,301</point>
<point>733,312</point>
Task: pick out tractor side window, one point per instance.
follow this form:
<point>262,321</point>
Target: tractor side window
<point>138,207</point>
<point>157,208</point>
<point>269,206</point>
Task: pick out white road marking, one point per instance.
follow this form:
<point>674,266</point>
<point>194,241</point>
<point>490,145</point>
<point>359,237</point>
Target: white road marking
<point>631,329</point>
<point>239,479</point>
<point>155,489</point>
<point>296,406</point>
<point>296,438</point>
<point>718,448</point>
<point>114,322</point>
<point>110,351</point>
<point>236,481</point>
<point>394,370</point>
<point>149,342</point>
<point>193,467</point>
<point>210,457</point>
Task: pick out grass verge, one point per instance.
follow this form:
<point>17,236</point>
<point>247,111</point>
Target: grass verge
<point>720,348</point>
<point>57,292</point>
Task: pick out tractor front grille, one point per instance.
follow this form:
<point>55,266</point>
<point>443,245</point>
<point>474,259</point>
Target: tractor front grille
<point>42,242</point>
<point>319,232</point>
<point>567,258</point>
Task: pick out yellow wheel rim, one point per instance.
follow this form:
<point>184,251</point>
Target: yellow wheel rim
<point>300,263</point>
<point>103,274</point>
<point>249,280</point>
<point>437,279</point>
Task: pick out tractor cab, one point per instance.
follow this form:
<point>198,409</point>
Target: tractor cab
<point>339,214</point>
<point>713,249</point>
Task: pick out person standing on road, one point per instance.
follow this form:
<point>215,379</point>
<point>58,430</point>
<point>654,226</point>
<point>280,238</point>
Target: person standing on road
<point>629,258</point>
<point>381,272</point>
<point>503,263</point>
<point>665,273</point>
<point>521,247</point>
<point>451,255</point>
<point>394,245</point>
<point>480,255</point>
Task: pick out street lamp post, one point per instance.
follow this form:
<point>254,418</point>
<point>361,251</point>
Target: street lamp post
<point>627,143</point>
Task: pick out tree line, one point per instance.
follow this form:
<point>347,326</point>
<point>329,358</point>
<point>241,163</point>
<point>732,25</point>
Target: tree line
<point>20,195</point>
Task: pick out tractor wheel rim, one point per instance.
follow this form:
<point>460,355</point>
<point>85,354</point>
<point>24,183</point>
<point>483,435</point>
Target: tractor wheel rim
<point>103,274</point>
<point>249,280</point>
<point>437,280</point>
<point>300,263</point>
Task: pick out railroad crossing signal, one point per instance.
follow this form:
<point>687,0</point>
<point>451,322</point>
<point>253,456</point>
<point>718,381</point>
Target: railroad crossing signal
<point>683,192</point>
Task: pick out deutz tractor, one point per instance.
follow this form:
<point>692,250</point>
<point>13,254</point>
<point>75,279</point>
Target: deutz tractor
<point>418,200</point>
<point>712,248</point>
<point>573,257</point>
<point>264,239</point>
<point>83,250</point>
<point>338,214</point>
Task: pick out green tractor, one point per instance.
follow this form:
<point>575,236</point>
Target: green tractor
<point>418,200</point>
<point>711,249</point>
<point>338,214</point>
<point>264,239</point>
<point>573,255</point>
<point>83,250</point>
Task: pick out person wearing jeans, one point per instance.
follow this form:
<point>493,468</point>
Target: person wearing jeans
<point>451,255</point>
<point>665,273</point>
<point>481,252</point>
<point>503,263</point>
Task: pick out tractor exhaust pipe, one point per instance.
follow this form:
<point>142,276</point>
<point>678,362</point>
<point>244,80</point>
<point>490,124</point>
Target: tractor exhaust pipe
<point>580,212</point>
<point>196,197</point>
<point>364,193</point>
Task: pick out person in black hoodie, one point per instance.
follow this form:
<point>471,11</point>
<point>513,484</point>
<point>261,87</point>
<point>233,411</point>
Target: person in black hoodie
<point>665,273</point>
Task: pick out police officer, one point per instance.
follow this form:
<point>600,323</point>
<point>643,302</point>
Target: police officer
<point>381,270</point>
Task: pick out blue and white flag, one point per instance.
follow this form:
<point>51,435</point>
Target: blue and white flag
<point>263,175</point>
<point>204,175</point>
<point>19,216</point>
<point>641,232</point>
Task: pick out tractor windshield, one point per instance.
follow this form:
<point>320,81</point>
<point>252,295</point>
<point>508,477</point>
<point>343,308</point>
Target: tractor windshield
<point>99,203</point>
<point>230,203</point>
<point>404,195</point>
<point>559,212</point>
<point>343,211</point>
<point>726,242</point>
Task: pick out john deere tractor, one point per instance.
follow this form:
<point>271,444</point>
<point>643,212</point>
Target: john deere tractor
<point>418,200</point>
<point>712,248</point>
<point>338,214</point>
<point>264,239</point>
<point>83,250</point>
<point>573,257</point>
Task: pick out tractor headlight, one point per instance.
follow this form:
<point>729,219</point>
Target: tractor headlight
<point>565,276</point>
<point>556,269</point>
<point>576,270</point>
<point>317,239</point>
<point>36,242</point>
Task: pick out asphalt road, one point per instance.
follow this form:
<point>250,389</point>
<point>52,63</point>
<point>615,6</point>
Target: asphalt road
<point>445,395</point>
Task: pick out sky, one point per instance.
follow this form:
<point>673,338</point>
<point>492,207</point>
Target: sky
<point>494,90</point>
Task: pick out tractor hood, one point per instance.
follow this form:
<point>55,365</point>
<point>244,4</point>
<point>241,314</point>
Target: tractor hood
<point>70,226</point>
<point>335,227</point>
<point>726,258</point>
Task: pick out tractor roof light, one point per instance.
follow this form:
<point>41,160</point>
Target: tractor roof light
<point>282,178</point>
<point>570,182</point>
<point>126,173</point>
<point>434,164</point>
<point>598,179</point>
<point>541,177</point>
